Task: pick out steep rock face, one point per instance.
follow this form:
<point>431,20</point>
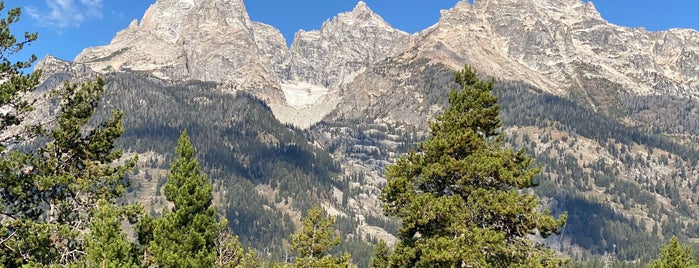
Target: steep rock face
<point>272,45</point>
<point>208,40</point>
<point>322,62</point>
<point>343,47</point>
<point>561,46</point>
<point>51,66</point>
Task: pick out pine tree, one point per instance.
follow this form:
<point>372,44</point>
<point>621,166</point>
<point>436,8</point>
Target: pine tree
<point>315,239</point>
<point>13,82</point>
<point>462,197</point>
<point>675,255</point>
<point>106,245</point>
<point>186,236</point>
<point>381,256</point>
<point>49,195</point>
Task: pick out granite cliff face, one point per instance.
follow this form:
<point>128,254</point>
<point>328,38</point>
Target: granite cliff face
<point>560,46</point>
<point>564,47</point>
<point>343,47</point>
<point>322,62</point>
<point>207,40</point>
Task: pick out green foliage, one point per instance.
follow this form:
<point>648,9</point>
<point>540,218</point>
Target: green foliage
<point>315,239</point>
<point>597,225</point>
<point>380,258</point>
<point>460,196</point>
<point>106,245</point>
<point>14,82</point>
<point>675,255</point>
<point>186,236</point>
<point>240,145</point>
<point>49,194</point>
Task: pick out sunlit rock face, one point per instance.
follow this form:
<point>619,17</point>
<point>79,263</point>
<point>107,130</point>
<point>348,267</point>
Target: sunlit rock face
<point>208,40</point>
<point>558,45</point>
<point>343,47</point>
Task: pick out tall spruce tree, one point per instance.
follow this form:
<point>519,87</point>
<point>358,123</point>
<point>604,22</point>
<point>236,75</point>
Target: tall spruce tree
<point>462,196</point>
<point>105,244</point>
<point>187,235</point>
<point>48,196</point>
<point>13,83</point>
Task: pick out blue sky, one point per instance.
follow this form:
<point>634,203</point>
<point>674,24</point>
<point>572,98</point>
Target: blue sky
<point>65,27</point>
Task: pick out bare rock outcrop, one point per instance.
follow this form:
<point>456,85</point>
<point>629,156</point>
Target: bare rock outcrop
<point>561,46</point>
<point>343,47</point>
<point>207,40</point>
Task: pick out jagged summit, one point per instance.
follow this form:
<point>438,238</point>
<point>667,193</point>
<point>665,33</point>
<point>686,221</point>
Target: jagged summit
<point>344,45</point>
<point>362,14</point>
<point>323,61</point>
<point>215,40</point>
<point>376,89</point>
<point>208,40</point>
<point>172,19</point>
<point>557,45</point>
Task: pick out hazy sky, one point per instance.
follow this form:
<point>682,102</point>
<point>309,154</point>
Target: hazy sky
<point>66,27</point>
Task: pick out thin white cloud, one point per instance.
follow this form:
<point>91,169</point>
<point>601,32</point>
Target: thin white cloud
<point>66,13</point>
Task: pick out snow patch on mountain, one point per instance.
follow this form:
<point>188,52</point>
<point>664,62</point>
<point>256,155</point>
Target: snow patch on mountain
<point>303,94</point>
<point>306,104</point>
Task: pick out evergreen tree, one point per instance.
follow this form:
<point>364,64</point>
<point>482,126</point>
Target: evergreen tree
<point>381,256</point>
<point>675,255</point>
<point>13,81</point>
<point>13,84</point>
<point>186,236</point>
<point>49,195</point>
<point>315,239</point>
<point>106,245</point>
<point>462,196</point>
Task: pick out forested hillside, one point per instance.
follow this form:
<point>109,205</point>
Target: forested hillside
<point>627,187</point>
<point>242,147</point>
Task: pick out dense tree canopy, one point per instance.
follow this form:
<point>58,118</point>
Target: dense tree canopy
<point>381,255</point>
<point>462,195</point>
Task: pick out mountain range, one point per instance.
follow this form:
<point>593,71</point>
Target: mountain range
<point>609,112</point>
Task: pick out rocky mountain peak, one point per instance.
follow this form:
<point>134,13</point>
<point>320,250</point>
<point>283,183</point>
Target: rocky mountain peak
<point>343,46</point>
<point>174,20</point>
<point>208,40</point>
<point>556,44</point>
<point>321,62</point>
<point>362,14</point>
<point>568,11</point>
<point>361,6</point>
